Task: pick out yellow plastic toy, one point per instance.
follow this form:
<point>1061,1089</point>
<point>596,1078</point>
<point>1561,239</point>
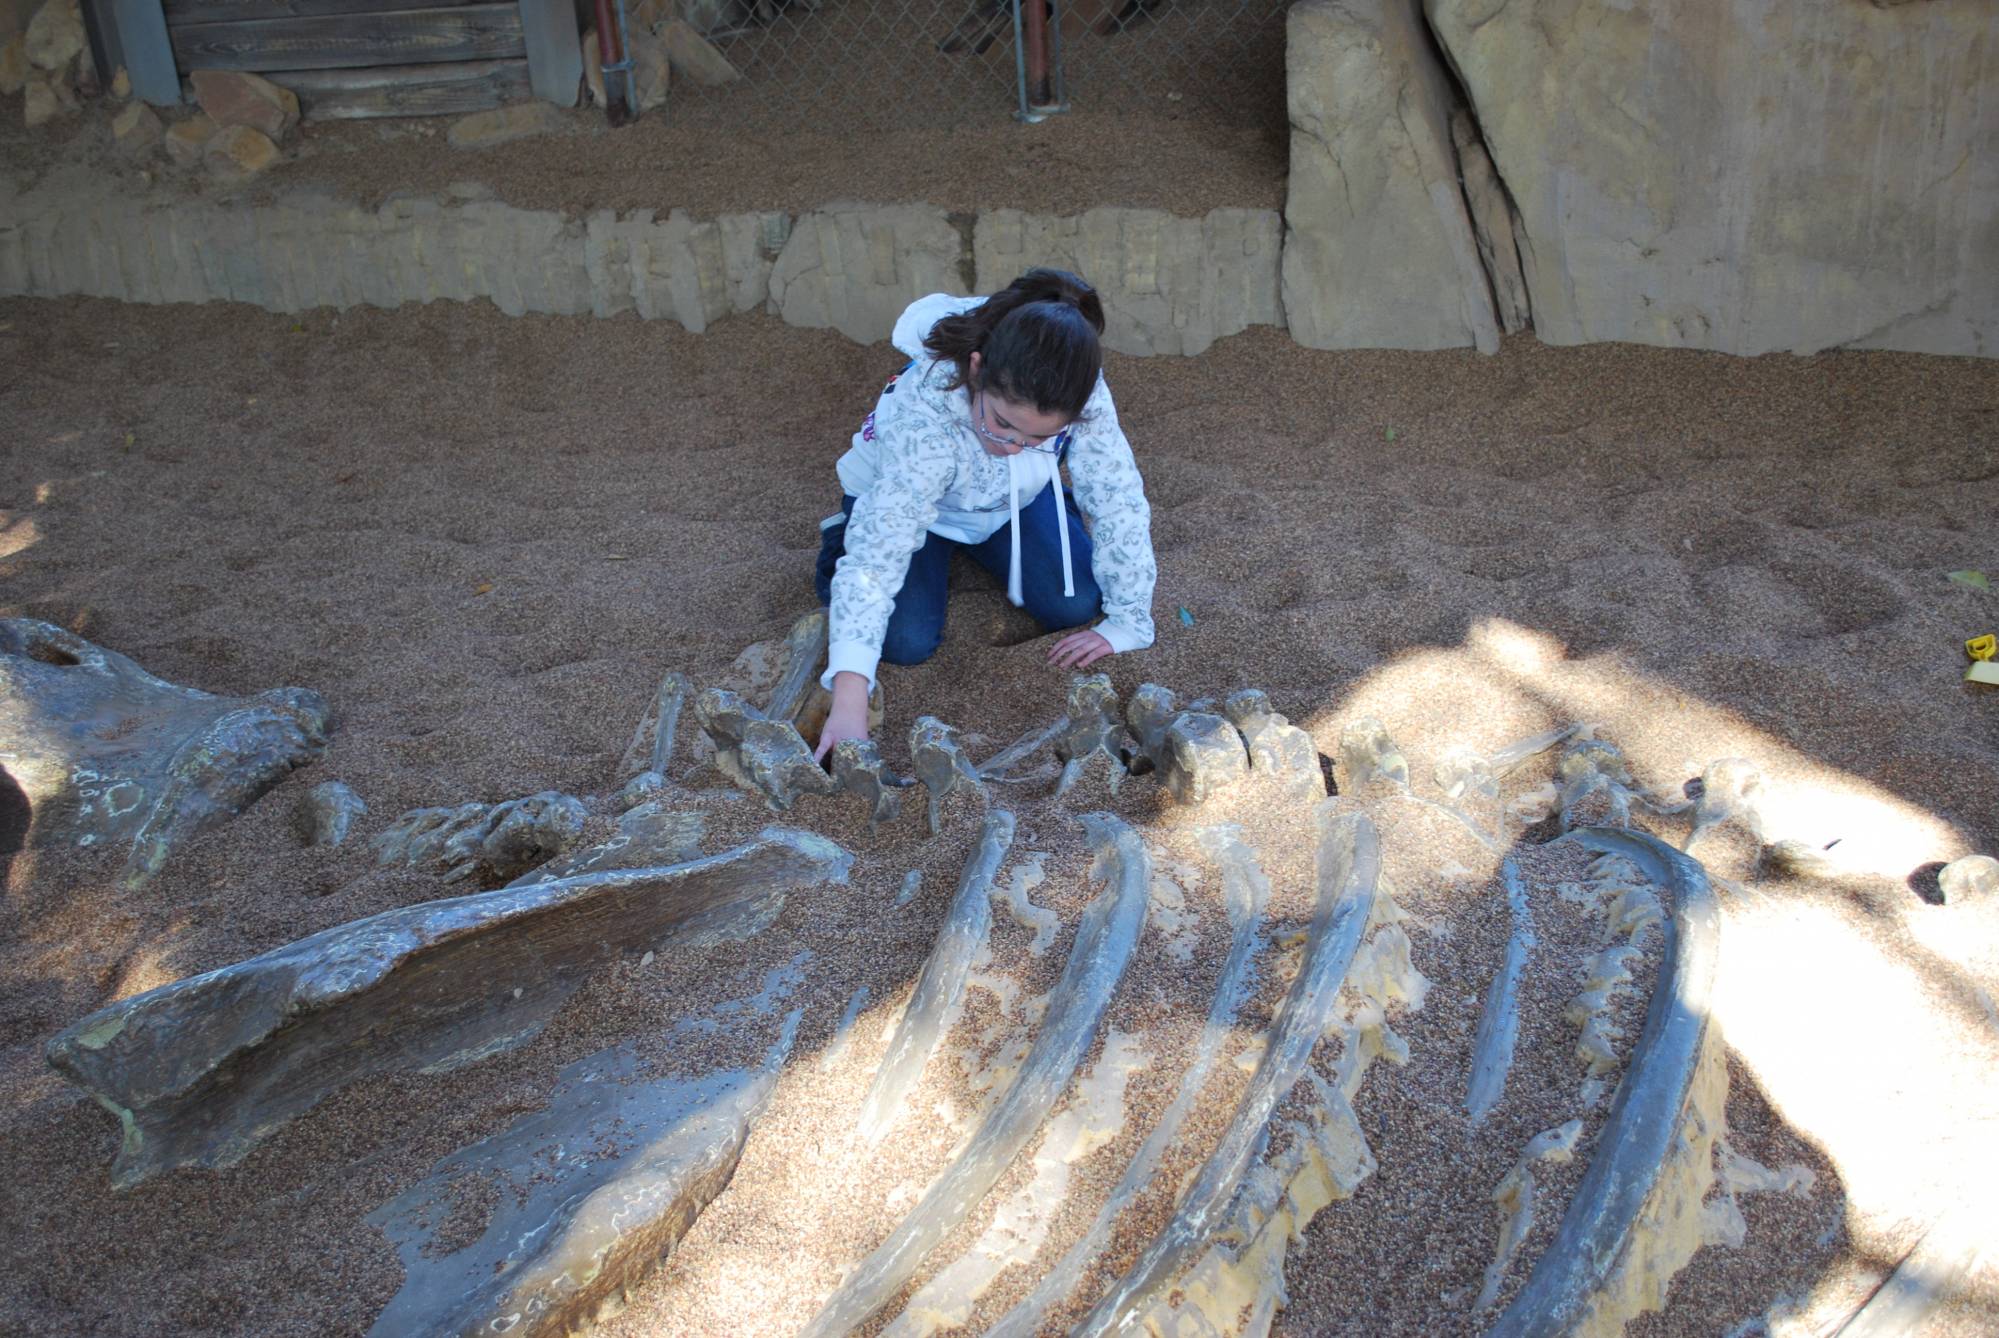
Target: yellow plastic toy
<point>1984,667</point>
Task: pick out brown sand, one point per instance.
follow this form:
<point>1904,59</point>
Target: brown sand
<point>484,539</point>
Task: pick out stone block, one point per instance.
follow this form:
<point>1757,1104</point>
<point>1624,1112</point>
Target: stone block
<point>1169,285</point>
<point>185,140</point>
<point>695,57</point>
<point>232,97</point>
<point>137,129</point>
<point>55,35</point>
<point>856,267</point>
<point>482,130</point>
<point>1378,244</point>
<point>1730,177</point>
<point>238,151</point>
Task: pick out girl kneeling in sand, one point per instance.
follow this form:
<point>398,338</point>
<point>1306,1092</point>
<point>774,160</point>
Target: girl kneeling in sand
<point>964,452</point>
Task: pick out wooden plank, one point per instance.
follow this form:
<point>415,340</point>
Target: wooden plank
<point>135,36</point>
<point>406,90</point>
<point>339,41</point>
<point>555,50</point>
<point>227,11</point>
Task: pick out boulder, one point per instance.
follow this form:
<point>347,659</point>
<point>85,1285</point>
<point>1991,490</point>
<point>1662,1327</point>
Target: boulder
<point>1736,177</point>
<point>231,98</point>
<point>14,65</point>
<point>238,151</point>
<point>652,67</point>
<point>55,35</point>
<point>695,57</point>
<point>857,267</point>
<point>1378,245</point>
<point>185,140</point>
<point>45,97</point>
<point>109,756</point>
<point>137,129</point>
<point>121,84</point>
<point>482,130</point>
<point>327,815</point>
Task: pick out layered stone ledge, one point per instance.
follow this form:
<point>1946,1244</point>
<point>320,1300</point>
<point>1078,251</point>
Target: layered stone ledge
<point>1169,284</point>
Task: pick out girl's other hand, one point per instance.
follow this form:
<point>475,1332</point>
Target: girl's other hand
<point>1078,650</point>
<point>849,717</point>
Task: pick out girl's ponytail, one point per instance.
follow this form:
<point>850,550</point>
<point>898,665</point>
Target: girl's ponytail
<point>1037,339</point>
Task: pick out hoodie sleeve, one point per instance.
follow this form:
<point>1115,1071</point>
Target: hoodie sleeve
<point>1111,493</point>
<point>916,436</point>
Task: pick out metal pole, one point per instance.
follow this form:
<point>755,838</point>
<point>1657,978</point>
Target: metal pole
<point>1037,53</point>
<point>1037,47</point>
<point>1020,67</point>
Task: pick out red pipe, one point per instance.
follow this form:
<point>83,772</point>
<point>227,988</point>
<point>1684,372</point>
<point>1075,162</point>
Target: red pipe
<point>1034,15</point>
<point>618,108</point>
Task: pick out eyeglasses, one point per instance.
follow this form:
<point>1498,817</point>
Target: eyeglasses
<point>1048,446</point>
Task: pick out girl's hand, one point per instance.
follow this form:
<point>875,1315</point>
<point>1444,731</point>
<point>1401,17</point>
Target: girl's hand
<point>1079,650</point>
<point>849,717</point>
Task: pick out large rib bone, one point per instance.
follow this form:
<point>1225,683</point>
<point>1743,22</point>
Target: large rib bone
<point>593,1192</point>
<point>1349,870</point>
<point>106,753</point>
<point>1245,891</point>
<point>200,1071</point>
<point>1499,1021</point>
<point>1104,943</point>
<point>942,983</point>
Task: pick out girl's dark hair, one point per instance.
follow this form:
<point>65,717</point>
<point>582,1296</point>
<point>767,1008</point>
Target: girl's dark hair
<point>1036,339</point>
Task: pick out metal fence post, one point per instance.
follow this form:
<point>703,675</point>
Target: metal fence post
<point>1037,45</point>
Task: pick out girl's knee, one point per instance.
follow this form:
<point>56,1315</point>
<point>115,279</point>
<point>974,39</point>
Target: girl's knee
<point>1056,612</point>
<point>910,645</point>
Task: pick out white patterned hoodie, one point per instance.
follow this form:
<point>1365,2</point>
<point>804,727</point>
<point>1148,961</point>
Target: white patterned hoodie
<point>917,468</point>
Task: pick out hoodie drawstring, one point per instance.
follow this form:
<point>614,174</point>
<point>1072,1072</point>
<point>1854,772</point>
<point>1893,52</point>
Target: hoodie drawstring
<point>1013,591</point>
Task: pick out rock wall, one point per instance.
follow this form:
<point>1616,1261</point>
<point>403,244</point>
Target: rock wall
<point>1378,244</point>
<point>1744,175</point>
<point>1170,285</point>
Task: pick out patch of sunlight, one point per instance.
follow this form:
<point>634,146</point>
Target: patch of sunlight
<point>17,536</point>
<point>1509,681</point>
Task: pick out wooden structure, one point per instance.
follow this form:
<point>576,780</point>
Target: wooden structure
<point>349,58</point>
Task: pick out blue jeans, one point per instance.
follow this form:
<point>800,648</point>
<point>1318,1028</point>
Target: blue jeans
<point>917,626</point>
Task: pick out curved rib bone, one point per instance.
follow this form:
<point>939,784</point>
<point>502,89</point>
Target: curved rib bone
<point>1349,870</point>
<point>1499,1021</point>
<point>942,983</point>
<point>1618,1243</point>
<point>202,1070</point>
<point>1104,943</point>
<point>1245,891</point>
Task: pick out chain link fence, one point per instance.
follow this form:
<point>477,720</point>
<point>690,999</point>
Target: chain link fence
<point>881,64</point>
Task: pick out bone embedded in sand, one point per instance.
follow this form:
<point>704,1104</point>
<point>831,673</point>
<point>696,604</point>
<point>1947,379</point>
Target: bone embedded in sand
<point>1245,893</point>
<point>804,652</point>
<point>1349,869</point>
<point>1105,940</point>
<point>1596,789</point>
<point>1636,1219</point>
<point>1026,746</point>
<point>1970,879</point>
<point>912,883</point>
<point>1095,730</point>
<point>1499,1020</point>
<point>766,757</point>
<point>941,985</point>
<point>858,770</point>
<point>648,836</point>
<point>484,840</point>
<point>1731,791</point>
<point>651,748</point>
<point>327,814</point>
<point>1278,749</point>
<point>590,1194</point>
<point>1203,754</point>
<point>1515,1197</point>
<point>941,765</point>
<point>1021,1223</point>
<point>1148,713</point>
<point>1369,757</point>
<point>843,1034</point>
<point>1013,894</point>
<point>201,1071</point>
<point>105,753</point>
